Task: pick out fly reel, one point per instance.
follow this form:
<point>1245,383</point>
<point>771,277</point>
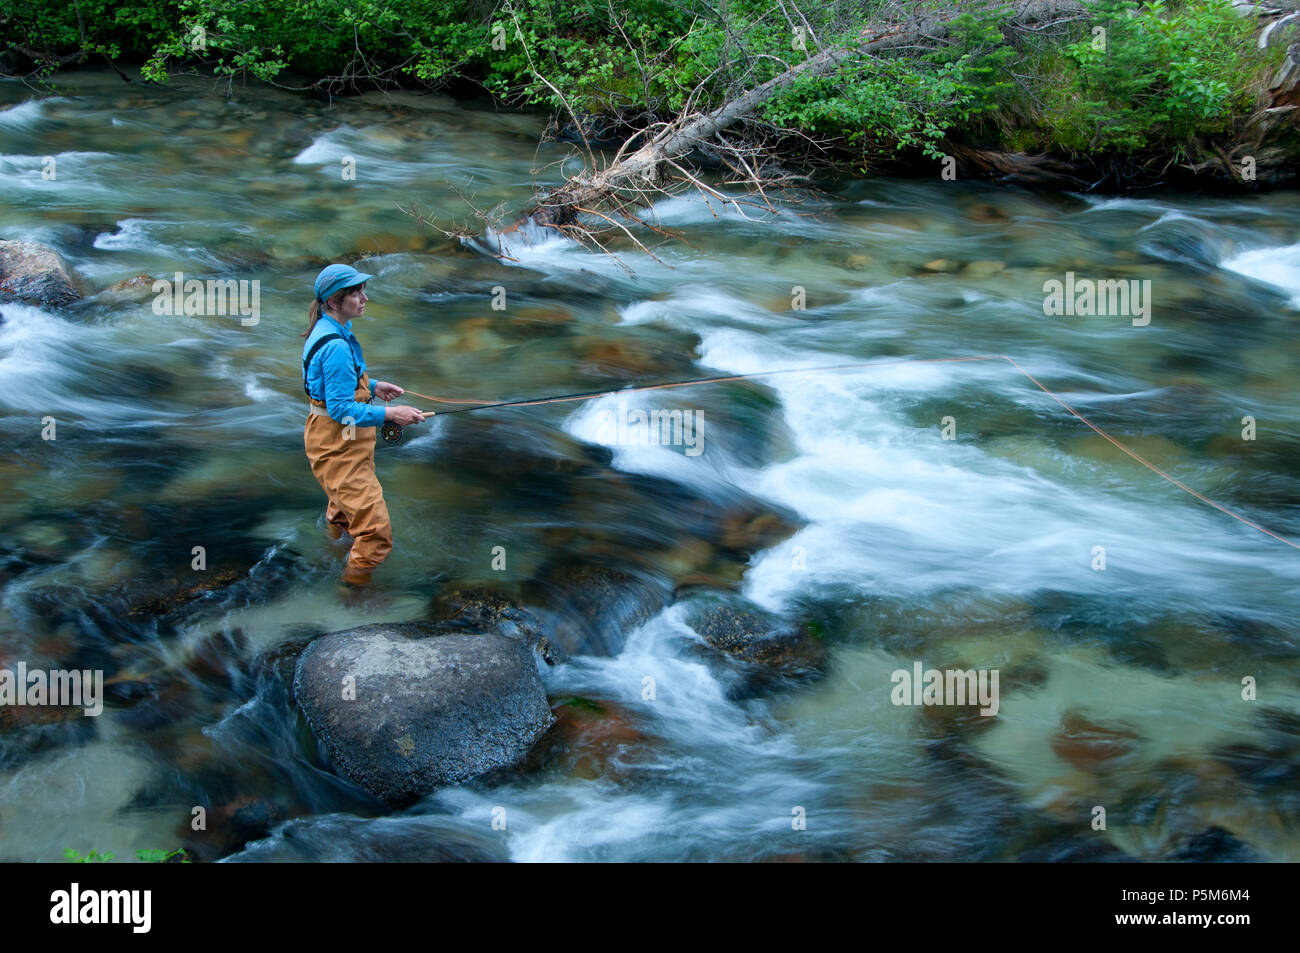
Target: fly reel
<point>393,433</point>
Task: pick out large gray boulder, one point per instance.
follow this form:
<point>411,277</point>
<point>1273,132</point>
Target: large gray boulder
<point>36,273</point>
<point>431,707</point>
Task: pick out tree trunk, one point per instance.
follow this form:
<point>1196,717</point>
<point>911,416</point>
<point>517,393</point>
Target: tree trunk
<point>588,191</point>
<point>595,188</point>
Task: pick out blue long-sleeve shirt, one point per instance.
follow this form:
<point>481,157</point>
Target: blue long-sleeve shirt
<point>334,372</point>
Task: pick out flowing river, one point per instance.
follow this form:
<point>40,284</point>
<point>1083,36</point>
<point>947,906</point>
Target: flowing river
<point>948,514</point>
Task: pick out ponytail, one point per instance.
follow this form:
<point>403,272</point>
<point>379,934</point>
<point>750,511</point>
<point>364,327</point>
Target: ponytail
<point>313,315</point>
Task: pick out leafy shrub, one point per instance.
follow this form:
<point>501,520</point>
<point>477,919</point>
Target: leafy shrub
<point>1156,75</point>
<point>1165,74</point>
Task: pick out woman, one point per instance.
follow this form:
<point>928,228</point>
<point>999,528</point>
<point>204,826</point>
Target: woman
<point>340,431</point>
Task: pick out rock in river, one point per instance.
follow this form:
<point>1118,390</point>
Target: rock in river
<point>730,625</point>
<point>596,606</point>
<point>431,707</point>
<point>479,609</point>
<point>35,273</point>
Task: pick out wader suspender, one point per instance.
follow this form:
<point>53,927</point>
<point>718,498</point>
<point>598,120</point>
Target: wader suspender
<point>312,353</point>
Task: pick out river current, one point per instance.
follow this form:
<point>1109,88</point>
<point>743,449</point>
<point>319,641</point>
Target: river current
<point>949,514</point>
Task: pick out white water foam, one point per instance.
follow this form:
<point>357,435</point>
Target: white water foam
<point>1279,267</point>
<point>697,209</point>
<point>692,302</point>
<point>590,422</point>
<point>378,150</point>
<point>329,147</point>
<point>701,736</point>
<point>1175,216</point>
<point>24,114</point>
<point>133,234</point>
<point>80,172</point>
<point>144,236</point>
<point>894,509</point>
<point>31,339</point>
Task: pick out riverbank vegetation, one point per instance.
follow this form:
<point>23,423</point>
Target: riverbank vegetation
<point>1133,88</point>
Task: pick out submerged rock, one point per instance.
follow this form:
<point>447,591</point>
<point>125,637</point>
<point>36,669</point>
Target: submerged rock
<point>982,269</point>
<point>986,213</point>
<point>342,838</point>
<point>403,710</point>
<point>1269,763</point>
<point>26,731</point>
<point>938,265</point>
<point>515,451</point>
<point>35,273</point>
<point>749,526</point>
<point>135,290</point>
<point>386,243</point>
<point>233,823</point>
<point>1090,746</point>
<point>1067,844</point>
<point>597,606</point>
<point>165,596</point>
<point>1216,846</point>
<point>482,609</point>
<point>594,738</point>
<point>744,631</point>
<point>545,316</point>
<point>635,354</point>
<point>280,662</point>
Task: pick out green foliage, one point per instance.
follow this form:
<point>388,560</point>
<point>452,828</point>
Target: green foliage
<point>907,103</point>
<point>880,100</point>
<point>94,857</point>
<point>147,856</point>
<point>579,47</point>
<point>983,58</point>
<point>161,856</point>
<point>262,38</point>
<point>1167,73</point>
<point>1155,75</point>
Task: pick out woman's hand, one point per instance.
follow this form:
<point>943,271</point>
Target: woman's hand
<point>402,414</point>
<point>387,391</point>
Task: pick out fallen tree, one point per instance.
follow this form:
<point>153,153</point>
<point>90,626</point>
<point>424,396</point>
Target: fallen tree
<point>606,197</point>
<point>650,163</point>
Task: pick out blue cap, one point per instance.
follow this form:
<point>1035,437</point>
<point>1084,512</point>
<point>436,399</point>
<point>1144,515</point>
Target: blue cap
<point>334,278</point>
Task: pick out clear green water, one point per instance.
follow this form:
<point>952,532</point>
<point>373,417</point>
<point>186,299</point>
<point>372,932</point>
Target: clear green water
<point>180,431</point>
